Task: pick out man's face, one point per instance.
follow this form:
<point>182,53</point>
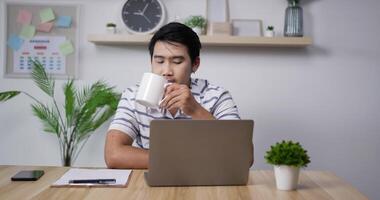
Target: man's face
<point>172,61</point>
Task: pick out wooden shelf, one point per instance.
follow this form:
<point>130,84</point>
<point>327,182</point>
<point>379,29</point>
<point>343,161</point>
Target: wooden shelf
<point>125,39</point>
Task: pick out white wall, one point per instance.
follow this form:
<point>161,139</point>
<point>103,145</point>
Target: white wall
<point>325,96</point>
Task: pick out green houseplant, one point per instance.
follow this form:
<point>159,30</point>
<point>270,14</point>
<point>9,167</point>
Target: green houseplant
<point>269,31</point>
<point>287,157</point>
<point>84,110</point>
<point>197,23</point>
<point>110,24</point>
<point>111,28</point>
<point>270,28</point>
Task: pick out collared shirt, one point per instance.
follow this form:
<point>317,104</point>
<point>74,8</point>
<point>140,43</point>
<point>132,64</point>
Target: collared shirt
<point>134,119</point>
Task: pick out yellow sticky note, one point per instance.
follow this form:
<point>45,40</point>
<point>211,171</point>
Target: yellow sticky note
<point>47,15</point>
<point>28,31</point>
<point>66,48</point>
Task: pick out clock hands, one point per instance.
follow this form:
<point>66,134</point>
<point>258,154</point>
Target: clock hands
<point>142,13</point>
<point>146,6</point>
<point>146,19</point>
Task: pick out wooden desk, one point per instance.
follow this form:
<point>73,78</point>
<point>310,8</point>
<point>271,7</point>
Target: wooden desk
<point>313,185</point>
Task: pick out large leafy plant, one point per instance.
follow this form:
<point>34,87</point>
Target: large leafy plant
<point>287,153</point>
<point>84,110</point>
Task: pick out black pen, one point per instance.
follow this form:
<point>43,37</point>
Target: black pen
<point>93,181</point>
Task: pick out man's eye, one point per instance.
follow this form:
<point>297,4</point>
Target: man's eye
<point>160,61</point>
<point>177,62</point>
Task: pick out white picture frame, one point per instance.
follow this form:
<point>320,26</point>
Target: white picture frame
<point>247,27</point>
<point>71,34</point>
<point>217,11</point>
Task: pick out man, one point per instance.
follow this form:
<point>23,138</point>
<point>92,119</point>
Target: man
<point>174,52</point>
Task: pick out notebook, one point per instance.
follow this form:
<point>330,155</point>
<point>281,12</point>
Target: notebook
<point>199,152</point>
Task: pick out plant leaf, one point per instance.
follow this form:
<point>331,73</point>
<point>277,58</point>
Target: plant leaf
<point>4,96</point>
<point>94,111</point>
<point>48,117</point>
<point>287,153</point>
<point>82,96</point>
<point>42,80</point>
<point>101,117</point>
<point>69,91</point>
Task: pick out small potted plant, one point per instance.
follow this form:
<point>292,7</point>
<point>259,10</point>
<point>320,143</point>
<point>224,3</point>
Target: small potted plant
<point>111,28</point>
<point>269,32</point>
<point>197,23</point>
<point>287,157</point>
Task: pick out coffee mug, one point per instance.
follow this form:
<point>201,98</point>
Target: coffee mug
<point>151,90</point>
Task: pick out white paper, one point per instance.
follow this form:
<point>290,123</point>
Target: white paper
<point>121,176</point>
<point>45,49</point>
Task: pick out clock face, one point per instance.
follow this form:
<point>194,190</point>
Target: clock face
<point>143,16</point>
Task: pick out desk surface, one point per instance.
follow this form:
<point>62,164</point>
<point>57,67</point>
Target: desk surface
<point>313,185</point>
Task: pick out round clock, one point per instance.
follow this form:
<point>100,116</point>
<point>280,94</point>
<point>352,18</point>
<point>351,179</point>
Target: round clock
<point>143,16</point>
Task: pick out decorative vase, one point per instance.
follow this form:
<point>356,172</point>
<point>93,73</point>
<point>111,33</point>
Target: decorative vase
<point>293,20</point>
<point>269,33</point>
<point>197,30</point>
<point>286,177</point>
<point>111,30</point>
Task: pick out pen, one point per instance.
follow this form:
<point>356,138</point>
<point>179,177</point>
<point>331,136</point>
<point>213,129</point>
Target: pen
<point>94,181</point>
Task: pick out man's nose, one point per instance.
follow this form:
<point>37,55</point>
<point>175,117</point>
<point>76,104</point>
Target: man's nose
<point>167,70</point>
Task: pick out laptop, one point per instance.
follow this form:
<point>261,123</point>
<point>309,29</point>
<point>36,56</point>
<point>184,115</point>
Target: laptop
<point>199,152</point>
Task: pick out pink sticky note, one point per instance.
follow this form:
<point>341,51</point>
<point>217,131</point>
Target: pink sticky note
<point>45,27</point>
<point>24,17</point>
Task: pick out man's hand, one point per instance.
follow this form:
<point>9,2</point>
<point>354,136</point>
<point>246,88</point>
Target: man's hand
<point>178,96</point>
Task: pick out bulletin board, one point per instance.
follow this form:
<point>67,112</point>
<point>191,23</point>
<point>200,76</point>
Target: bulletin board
<point>46,32</point>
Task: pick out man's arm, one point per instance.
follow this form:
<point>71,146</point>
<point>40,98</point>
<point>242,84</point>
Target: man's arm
<point>119,152</point>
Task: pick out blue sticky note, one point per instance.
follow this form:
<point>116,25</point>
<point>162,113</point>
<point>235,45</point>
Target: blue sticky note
<point>64,21</point>
<point>15,42</point>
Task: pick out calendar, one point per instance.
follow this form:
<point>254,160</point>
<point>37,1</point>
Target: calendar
<point>44,49</point>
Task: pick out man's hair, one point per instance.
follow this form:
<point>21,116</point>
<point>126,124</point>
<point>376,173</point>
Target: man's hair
<point>180,33</point>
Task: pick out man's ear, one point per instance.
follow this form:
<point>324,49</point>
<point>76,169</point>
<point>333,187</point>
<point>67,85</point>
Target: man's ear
<point>196,64</point>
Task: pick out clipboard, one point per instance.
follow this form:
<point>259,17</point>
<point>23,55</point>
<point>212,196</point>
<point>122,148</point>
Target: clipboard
<point>121,176</point>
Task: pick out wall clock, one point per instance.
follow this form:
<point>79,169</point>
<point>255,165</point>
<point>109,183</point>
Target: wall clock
<point>143,16</point>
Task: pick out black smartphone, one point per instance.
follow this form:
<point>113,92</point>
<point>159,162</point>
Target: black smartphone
<point>25,175</point>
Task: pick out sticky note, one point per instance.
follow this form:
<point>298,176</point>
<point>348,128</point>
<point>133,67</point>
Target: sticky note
<point>63,21</point>
<point>45,27</point>
<point>66,48</point>
<point>28,31</point>
<point>47,15</point>
<point>24,17</point>
<point>15,42</point>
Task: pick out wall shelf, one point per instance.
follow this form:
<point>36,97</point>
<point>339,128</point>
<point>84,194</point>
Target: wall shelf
<point>125,39</point>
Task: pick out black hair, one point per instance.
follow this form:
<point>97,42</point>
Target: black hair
<point>180,33</point>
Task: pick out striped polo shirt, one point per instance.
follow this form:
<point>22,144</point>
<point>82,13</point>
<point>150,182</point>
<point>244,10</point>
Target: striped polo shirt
<point>134,119</point>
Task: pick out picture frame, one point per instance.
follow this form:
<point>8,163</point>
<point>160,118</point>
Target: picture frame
<point>217,11</point>
<point>218,17</point>
<point>247,27</point>
<point>57,49</point>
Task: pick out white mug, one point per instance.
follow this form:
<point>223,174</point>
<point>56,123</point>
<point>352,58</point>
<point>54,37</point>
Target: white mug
<point>151,90</point>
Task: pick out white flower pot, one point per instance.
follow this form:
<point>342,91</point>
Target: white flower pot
<point>197,30</point>
<point>286,177</point>
<point>111,30</point>
<point>268,33</point>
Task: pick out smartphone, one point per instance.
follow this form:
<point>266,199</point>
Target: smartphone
<point>31,175</point>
